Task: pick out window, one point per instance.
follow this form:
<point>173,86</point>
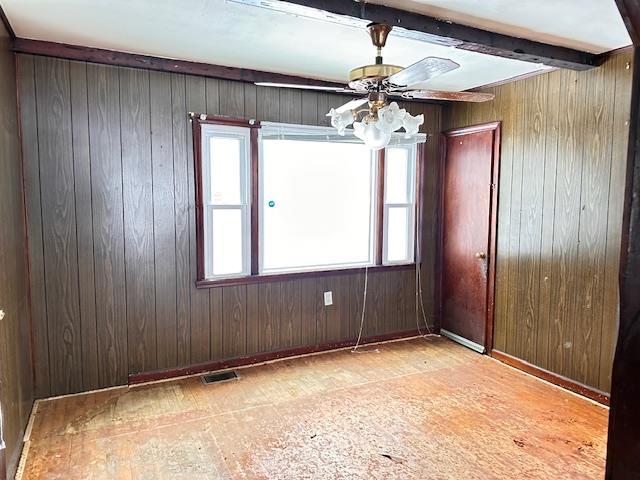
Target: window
<point>276,199</point>
<point>399,204</point>
<point>317,208</point>
<point>225,200</point>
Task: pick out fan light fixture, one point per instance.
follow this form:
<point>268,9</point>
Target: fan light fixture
<point>375,124</point>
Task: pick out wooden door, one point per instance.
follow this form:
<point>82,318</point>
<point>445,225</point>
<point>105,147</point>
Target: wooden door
<point>469,193</point>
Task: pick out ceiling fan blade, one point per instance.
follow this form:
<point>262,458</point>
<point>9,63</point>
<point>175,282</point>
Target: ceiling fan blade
<point>421,71</point>
<point>305,87</point>
<point>353,104</point>
<point>442,95</point>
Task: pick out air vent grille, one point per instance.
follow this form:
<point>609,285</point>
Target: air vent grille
<point>219,377</point>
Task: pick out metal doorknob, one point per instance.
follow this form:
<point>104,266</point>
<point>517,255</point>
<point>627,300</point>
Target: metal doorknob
<point>481,255</point>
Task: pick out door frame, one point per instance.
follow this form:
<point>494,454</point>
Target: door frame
<point>496,128</point>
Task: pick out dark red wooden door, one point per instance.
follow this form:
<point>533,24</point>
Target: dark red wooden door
<point>466,231</point>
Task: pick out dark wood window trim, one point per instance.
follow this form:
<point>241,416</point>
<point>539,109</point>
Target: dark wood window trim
<point>255,277</point>
<point>379,208</point>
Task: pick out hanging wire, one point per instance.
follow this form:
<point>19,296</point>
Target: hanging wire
<point>419,299</point>
<point>364,306</point>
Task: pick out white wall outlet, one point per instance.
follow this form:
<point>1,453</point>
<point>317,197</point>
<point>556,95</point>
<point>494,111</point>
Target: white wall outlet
<point>328,298</point>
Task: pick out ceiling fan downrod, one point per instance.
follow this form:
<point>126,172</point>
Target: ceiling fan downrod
<point>379,33</point>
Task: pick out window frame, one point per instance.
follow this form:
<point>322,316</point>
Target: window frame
<point>198,120</point>
<point>244,204</point>
<point>316,268</point>
<point>412,164</point>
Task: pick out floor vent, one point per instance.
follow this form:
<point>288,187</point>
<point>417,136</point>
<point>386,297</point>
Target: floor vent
<point>219,377</point>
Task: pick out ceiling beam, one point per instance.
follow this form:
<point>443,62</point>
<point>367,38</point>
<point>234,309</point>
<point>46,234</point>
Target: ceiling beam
<point>133,60</point>
<point>433,30</point>
<point>623,459</point>
<point>112,57</point>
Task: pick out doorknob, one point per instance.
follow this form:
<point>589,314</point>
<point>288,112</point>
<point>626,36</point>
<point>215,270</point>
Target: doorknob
<point>481,255</point>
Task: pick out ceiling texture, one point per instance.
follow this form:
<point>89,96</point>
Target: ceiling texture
<point>244,34</point>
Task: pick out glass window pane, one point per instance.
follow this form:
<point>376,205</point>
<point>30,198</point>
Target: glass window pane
<point>226,237</point>
<point>317,204</point>
<point>225,170</point>
<point>397,234</point>
<point>396,173</point>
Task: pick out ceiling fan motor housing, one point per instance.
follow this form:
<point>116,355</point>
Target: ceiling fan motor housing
<point>369,77</point>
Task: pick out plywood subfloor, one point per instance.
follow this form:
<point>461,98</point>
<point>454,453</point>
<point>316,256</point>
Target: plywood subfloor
<point>423,409</point>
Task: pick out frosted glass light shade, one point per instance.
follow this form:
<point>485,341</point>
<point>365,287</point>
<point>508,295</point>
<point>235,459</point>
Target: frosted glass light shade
<point>371,135</point>
<point>390,117</point>
<point>412,124</point>
<point>379,125</point>
<point>341,120</point>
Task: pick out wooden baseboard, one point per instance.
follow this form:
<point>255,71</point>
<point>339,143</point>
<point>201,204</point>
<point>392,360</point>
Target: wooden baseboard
<point>260,358</point>
<point>564,382</point>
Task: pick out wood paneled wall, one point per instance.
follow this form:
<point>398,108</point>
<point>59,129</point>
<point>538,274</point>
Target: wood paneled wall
<point>16,386</point>
<point>564,144</point>
<point>110,212</point>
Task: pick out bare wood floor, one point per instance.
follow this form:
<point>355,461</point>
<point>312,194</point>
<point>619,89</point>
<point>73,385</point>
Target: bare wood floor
<point>424,409</point>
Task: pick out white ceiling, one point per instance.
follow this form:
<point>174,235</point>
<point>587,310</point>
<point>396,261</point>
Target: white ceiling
<point>589,25</point>
<point>229,33</point>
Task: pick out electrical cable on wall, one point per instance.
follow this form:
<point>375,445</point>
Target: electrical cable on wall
<point>364,306</point>
<point>419,299</point>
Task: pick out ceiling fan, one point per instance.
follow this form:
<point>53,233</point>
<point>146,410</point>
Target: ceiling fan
<point>381,81</point>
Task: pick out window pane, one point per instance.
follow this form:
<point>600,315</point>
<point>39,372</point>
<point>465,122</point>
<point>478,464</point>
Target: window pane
<point>225,170</point>
<point>396,172</point>
<point>317,204</point>
<point>397,234</point>
<point>226,237</point>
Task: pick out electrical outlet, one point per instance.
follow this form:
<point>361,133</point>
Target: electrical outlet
<point>328,298</point>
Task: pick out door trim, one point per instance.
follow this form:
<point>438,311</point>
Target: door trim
<point>496,128</point>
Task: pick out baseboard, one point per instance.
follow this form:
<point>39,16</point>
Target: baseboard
<point>559,380</point>
<point>143,377</point>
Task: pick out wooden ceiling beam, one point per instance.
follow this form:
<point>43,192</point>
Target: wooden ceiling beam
<point>112,57</point>
<point>623,452</point>
<point>433,30</point>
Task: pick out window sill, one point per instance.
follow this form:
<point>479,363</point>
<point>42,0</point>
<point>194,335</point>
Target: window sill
<point>299,275</point>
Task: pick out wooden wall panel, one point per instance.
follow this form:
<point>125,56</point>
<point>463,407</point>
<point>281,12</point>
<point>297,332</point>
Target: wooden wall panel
<point>515,217</point>
<point>182,217</point>
<point>16,386</point>
<point>31,169</point>
<point>563,156</point>
<point>234,332</point>
<point>291,319</point>
<point>138,218</point>
<point>548,208</point>
<point>200,329</point>
<point>164,219</point>
<point>53,95</point>
<point>531,216</point>
<point>108,228</point>
<point>621,102</point>
<point>216,325</point>
<point>84,230</point>
<point>600,89</point>
<point>135,218</point>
